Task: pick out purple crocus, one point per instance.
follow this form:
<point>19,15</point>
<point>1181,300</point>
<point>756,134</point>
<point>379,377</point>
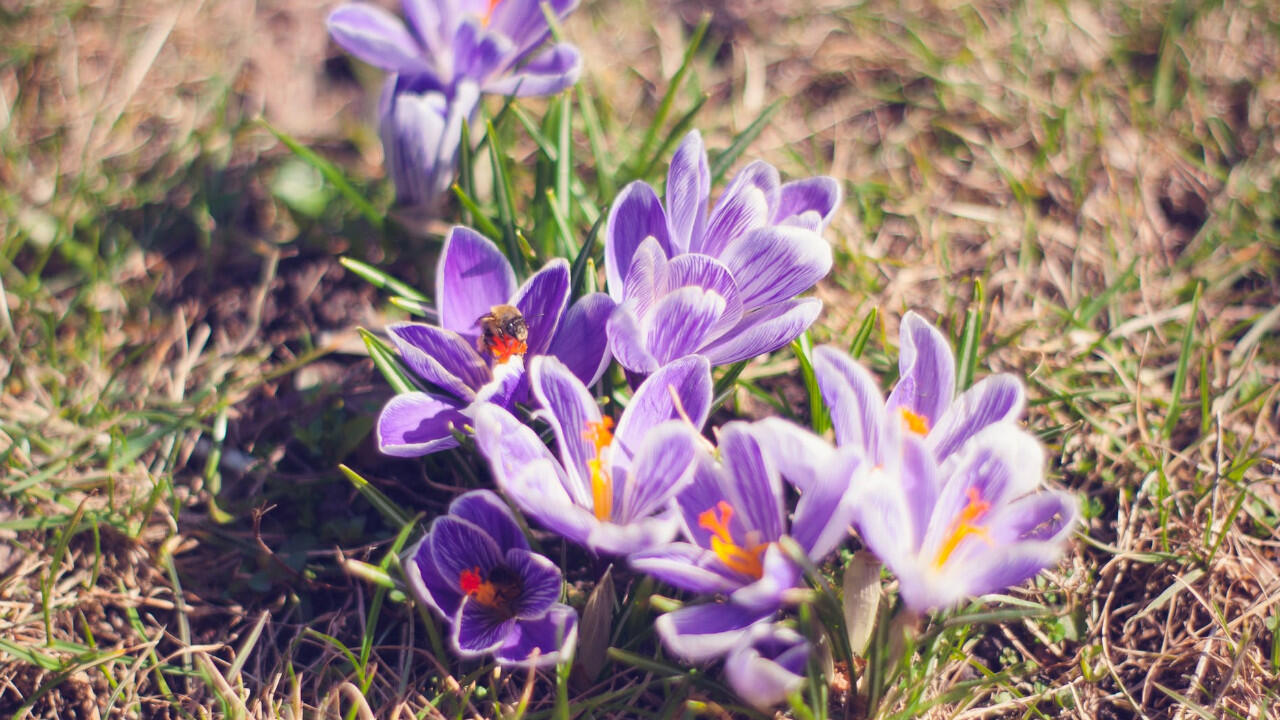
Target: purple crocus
<point>722,284</point>
<point>475,569</point>
<point>734,514</point>
<point>608,491</point>
<point>969,526</point>
<point>473,356</point>
<point>421,130</point>
<point>767,664</point>
<point>923,402</point>
<point>456,42</point>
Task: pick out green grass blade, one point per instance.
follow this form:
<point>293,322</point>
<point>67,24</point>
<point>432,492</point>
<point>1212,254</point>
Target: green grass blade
<point>969,336</point>
<point>333,174</point>
<point>480,221</point>
<point>578,272</point>
<point>860,338</point>
<point>503,194</point>
<point>1184,359</point>
<point>595,138</point>
<point>802,348</point>
<point>384,359</point>
<point>645,153</point>
<point>677,133</point>
<point>721,164</point>
<point>383,504</point>
<point>382,280</point>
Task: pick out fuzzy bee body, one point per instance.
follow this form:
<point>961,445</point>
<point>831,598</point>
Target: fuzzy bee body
<point>503,332</point>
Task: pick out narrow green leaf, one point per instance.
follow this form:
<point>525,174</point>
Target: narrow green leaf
<point>725,159</point>
<point>466,184</point>
<point>802,348</point>
<point>595,138</point>
<point>969,340</point>
<point>504,193</point>
<point>578,272</point>
<point>384,359</point>
<point>564,160</point>
<point>331,173</point>
<point>677,133</point>
<point>860,338</point>
<point>1184,359</point>
<point>668,99</point>
<point>382,280</point>
<point>480,221</point>
<point>568,246</point>
<point>383,504</point>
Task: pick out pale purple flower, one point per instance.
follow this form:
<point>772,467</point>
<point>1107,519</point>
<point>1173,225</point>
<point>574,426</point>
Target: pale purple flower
<point>608,491</point>
<point>457,42</point>
<point>722,284</point>
<point>734,514</point>
<point>421,130</point>
<point>969,526</point>
<point>474,568</point>
<point>923,402</point>
<point>461,368</point>
<point>767,664</point>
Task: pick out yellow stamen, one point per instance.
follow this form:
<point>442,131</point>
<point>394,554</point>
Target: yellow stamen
<point>600,435</point>
<point>914,422</point>
<point>964,526</point>
<point>745,560</point>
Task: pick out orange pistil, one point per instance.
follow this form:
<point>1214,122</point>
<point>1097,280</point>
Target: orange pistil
<point>504,347</point>
<point>745,560</point>
<point>914,422</point>
<point>488,14</point>
<point>474,585</point>
<point>601,435</point>
<point>964,526</point>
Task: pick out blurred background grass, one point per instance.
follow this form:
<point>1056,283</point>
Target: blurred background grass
<point>182,375</point>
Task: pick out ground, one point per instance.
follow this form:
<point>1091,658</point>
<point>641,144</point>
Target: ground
<point>1097,182</point>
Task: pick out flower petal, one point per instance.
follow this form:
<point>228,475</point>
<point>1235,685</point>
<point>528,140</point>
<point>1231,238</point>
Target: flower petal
<point>689,378</point>
<point>488,512</point>
<point>685,566</point>
<point>768,665</point>
<point>472,277</point>
<point>810,202</point>
<point>626,342</point>
<point>478,630</point>
<point>513,449</point>
<point>928,370</point>
<point>697,633</point>
<point>999,398</point>
<point>663,465</point>
<point>616,538</point>
<point>763,331</point>
<point>688,188</point>
<point>542,641</point>
<point>441,357</point>
<point>420,154</point>
<point>581,343</point>
<point>415,424</point>
<point>681,321</point>
<point>826,509</point>
<point>754,490</point>
<point>523,21</point>
<point>479,53</point>
<point>459,545</point>
<point>540,583</point>
<point>706,273</point>
<point>747,203</point>
<point>645,279</point>
<point>779,574</point>
<point>542,300</point>
<point>428,585</point>
<point>852,396</point>
<point>377,37</point>
<point>776,263</point>
<point>636,214</point>
<point>570,410</point>
<point>552,70</point>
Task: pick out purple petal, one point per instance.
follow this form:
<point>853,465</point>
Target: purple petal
<point>478,630</point>
<point>799,455</point>
<point>479,53</point>
<point>426,22</point>
<point>582,343</point>
<point>659,470</point>
<point>884,521</point>
<point>428,585</point>
<point>419,153</point>
<point>513,450</point>
<point>415,424</point>
<point>706,273</point>
<point>472,277</point>
<point>689,378</point>
<point>508,386</point>
<point>542,300</point>
<point>763,331</point>
<point>441,357</point>
<point>570,410</point>
<point>768,665</point>
<point>755,490</point>
<point>1001,568</point>
<point>1001,462</point>
<point>704,492</point>
<point>523,21</point>
<point>775,263</point>
<point>614,538</point>
<point>485,510</point>
<point>826,509</point>
<point>996,399</point>
<point>542,641</point>
<point>537,493</point>
<point>679,324</point>
<point>1043,517</point>
<point>688,187</point>
<point>812,201</point>
<point>921,485</point>
<point>928,370</point>
<point>704,632</point>
<point>626,343</point>
<point>779,574</point>
<point>645,279</point>
<point>687,567</point>
<point>458,545</point>
<point>554,69</point>
<point>747,203</point>
<point>376,37</point>
<point>540,583</point>
<point>852,396</point>
<point>636,214</point>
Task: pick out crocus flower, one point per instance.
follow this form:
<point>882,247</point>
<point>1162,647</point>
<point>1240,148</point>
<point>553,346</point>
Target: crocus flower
<point>474,568</point>
<point>723,284</point>
<point>477,353</point>
<point>969,526</point>
<point>767,664</point>
<point>421,130</point>
<point>734,514</point>
<point>457,42</point>
<point>608,491</point>
<point>923,402</point>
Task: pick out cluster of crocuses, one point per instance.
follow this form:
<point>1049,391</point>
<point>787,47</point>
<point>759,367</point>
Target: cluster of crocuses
<point>945,489</point>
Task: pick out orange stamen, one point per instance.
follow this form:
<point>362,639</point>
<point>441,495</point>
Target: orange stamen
<point>600,435</point>
<point>477,587</point>
<point>504,347</point>
<point>914,422</point>
<point>488,14</point>
<point>964,526</point>
<point>745,560</point>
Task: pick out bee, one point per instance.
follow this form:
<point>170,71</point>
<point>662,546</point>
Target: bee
<point>503,332</point>
<point>506,588</point>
